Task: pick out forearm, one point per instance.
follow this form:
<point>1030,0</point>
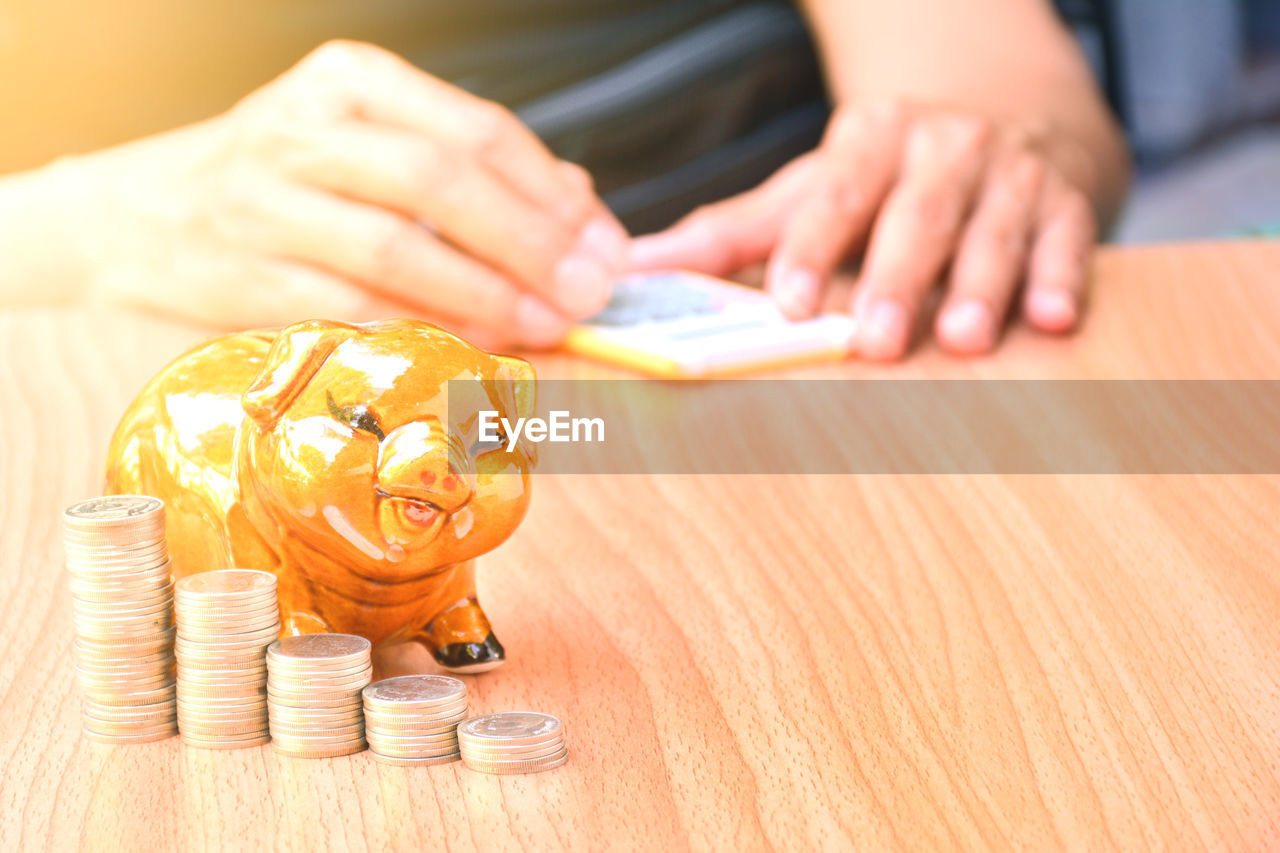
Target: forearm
<point>43,215</point>
<point>1006,59</point>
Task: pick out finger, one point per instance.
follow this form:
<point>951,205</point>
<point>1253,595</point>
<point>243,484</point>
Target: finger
<point>917,230</point>
<point>355,79</point>
<point>1059,267</point>
<point>992,256</point>
<point>724,237</point>
<point>390,255</point>
<point>571,263</point>
<point>858,162</point>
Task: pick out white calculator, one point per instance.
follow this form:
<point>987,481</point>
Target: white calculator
<point>688,325</point>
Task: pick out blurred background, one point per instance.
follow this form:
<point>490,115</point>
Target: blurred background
<point>1195,82</point>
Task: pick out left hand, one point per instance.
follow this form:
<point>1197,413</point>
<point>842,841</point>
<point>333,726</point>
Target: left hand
<point>927,195</point>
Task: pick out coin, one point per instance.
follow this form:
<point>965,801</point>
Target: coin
<point>308,651</point>
<point>514,753</point>
<point>331,752</point>
<point>516,767</point>
<point>414,691</point>
<point>432,739</point>
<point>424,762</point>
<point>511,727</point>
<point>235,584</point>
<point>159,734</point>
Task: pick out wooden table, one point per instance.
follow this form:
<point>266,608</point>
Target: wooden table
<point>824,662</point>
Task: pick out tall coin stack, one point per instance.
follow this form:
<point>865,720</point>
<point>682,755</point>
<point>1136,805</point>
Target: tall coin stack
<point>226,620</point>
<point>313,694</point>
<point>413,719</point>
<point>513,742</point>
<point>123,617</point>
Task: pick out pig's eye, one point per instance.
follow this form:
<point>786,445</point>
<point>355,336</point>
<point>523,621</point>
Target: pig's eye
<point>485,446</point>
<point>355,416</point>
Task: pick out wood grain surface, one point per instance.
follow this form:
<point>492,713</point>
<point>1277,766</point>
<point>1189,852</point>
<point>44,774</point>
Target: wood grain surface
<point>749,662</point>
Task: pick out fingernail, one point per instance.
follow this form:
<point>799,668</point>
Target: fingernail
<point>967,327</point>
<point>540,325</point>
<point>582,285</point>
<point>605,239</point>
<point>1051,309</point>
<point>882,330</point>
<point>797,293</point>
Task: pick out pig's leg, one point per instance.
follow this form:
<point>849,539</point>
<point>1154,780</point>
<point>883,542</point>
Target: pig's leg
<point>459,636</point>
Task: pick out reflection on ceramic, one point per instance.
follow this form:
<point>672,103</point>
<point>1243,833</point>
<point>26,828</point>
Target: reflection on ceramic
<point>329,455</point>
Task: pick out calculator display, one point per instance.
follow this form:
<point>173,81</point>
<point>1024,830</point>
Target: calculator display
<point>680,324</point>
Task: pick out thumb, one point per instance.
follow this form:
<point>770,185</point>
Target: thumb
<point>721,238</point>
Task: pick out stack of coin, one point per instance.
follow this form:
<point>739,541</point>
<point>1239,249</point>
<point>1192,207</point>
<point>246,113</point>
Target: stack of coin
<point>413,719</point>
<point>513,742</point>
<point>226,620</point>
<point>313,694</point>
<point>123,617</point>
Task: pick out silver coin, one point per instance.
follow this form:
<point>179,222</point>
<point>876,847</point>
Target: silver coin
<point>413,751</point>
<point>331,649</point>
<point>413,712</point>
<point>225,741</point>
<point>411,731</point>
<point>104,663</point>
<point>126,540</point>
<point>113,509</point>
<point>143,583</point>
<point>98,709</point>
<point>515,769</point>
<point>100,722</point>
<point>133,680</point>
<point>118,611</point>
<point>423,738</point>
<point>117,604</point>
<point>201,701</point>
<point>213,731</point>
<point>415,691</point>
<point>524,753</point>
<point>235,673</point>
<point>223,620</point>
<point>125,694</point>
<point>221,715</point>
<point>328,752</point>
<point>122,740</point>
<point>315,740</point>
<point>315,703</point>
<point>421,762</point>
<point>310,733</point>
<point>296,713</point>
<point>227,583</point>
<point>200,656</point>
<point>96,551</point>
<point>511,727</point>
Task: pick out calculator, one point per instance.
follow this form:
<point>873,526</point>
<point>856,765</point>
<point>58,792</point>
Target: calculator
<point>685,325</point>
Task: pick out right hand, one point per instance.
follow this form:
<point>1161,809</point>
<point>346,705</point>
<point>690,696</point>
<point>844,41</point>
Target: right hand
<point>353,186</point>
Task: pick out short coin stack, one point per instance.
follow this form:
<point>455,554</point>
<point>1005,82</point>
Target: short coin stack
<point>313,694</point>
<point>226,620</point>
<point>413,719</point>
<point>513,742</point>
<point>123,617</point>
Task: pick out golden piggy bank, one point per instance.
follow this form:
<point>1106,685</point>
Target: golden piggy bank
<point>329,455</point>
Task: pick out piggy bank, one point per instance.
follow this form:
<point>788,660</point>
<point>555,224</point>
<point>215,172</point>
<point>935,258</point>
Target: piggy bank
<point>329,454</point>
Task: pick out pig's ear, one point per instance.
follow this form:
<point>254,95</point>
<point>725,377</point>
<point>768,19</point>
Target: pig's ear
<point>524,383</point>
<point>294,358</point>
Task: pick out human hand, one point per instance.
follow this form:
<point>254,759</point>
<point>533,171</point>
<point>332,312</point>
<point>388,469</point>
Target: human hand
<point>927,196</point>
<point>354,186</point>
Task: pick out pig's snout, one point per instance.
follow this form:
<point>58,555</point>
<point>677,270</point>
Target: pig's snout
<point>418,461</point>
